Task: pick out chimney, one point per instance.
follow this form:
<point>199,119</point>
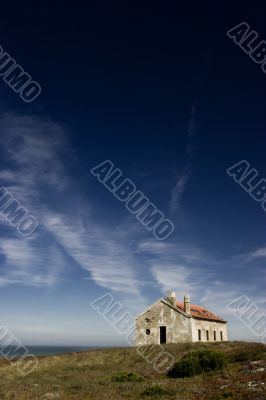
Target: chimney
<point>171,297</point>
<point>187,304</point>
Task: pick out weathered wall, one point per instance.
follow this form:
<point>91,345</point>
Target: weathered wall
<point>178,327</point>
<point>211,327</point>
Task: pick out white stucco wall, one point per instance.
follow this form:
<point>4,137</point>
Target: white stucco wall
<point>211,327</point>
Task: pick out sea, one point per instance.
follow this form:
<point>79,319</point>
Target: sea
<point>43,350</point>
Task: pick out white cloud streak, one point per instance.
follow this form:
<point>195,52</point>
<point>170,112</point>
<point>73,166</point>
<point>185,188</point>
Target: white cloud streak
<point>183,178</point>
<point>38,154</point>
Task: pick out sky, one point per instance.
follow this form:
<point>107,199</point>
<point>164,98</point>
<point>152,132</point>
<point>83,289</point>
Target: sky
<point>161,91</point>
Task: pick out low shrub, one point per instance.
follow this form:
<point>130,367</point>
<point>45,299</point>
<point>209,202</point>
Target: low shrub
<point>126,377</point>
<point>156,390</point>
<point>196,362</point>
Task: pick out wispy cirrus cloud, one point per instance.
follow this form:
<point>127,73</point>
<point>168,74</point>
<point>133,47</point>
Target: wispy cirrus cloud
<point>191,147</point>
<point>96,251</point>
<point>37,156</point>
<point>173,251</point>
<point>25,262</point>
<point>184,176</point>
<point>258,253</point>
<point>178,266</point>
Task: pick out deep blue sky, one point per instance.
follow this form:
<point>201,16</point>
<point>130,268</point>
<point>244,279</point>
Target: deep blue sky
<point>161,91</point>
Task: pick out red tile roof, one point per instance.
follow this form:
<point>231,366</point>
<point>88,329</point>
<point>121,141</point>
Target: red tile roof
<point>200,312</point>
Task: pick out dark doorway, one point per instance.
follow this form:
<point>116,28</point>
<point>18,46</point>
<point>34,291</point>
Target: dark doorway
<point>162,334</point>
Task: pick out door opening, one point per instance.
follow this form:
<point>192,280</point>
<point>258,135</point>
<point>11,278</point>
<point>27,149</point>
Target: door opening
<point>162,334</point>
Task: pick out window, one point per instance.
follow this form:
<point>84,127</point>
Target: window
<point>207,335</point>
<point>199,334</point>
<point>148,332</point>
<point>221,335</point>
<point>214,335</point>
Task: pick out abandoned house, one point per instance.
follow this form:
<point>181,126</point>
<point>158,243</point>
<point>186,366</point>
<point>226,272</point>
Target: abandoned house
<point>171,321</point>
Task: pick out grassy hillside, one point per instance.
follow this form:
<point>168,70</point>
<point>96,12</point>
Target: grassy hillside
<point>93,375</point>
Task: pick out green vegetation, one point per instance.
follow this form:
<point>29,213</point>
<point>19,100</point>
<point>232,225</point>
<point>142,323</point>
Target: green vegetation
<point>126,377</point>
<point>122,373</point>
<point>196,362</point>
<point>155,390</point>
